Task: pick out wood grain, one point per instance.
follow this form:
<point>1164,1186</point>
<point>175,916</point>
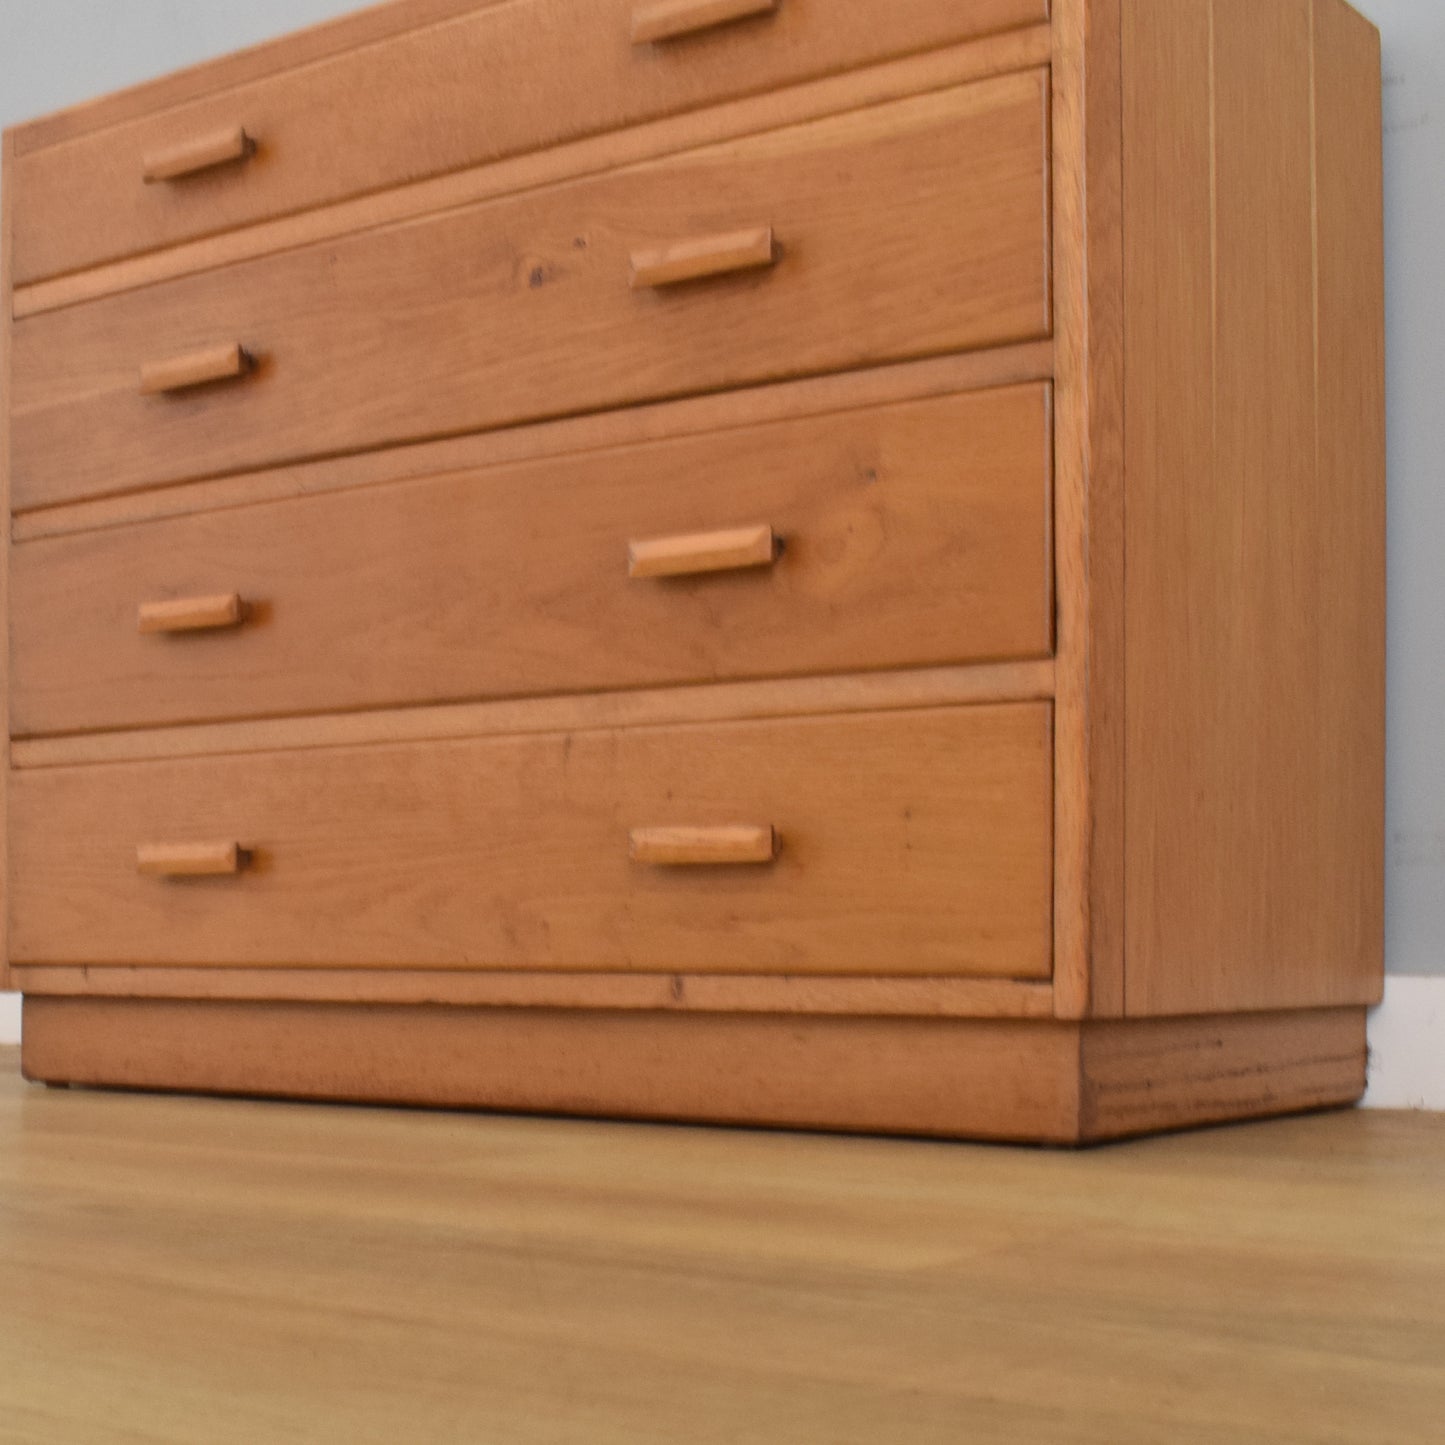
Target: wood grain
<point>410,332</point>
<point>812,396</point>
<point>800,697</point>
<point>917,843</point>
<point>1139,1080</point>
<point>998,54</point>
<point>818,995</point>
<point>659,20</point>
<point>1000,1078</point>
<point>483,584</point>
<point>499,81</point>
<point>1187,198</point>
<point>693,553</point>
<point>1089,515</point>
<point>218,612</point>
<point>1046,1082</point>
<point>189,157</point>
<point>700,258</point>
<point>1255,563</point>
<point>190,860</point>
<point>512,1279</point>
<point>723,845</point>
<point>228,361</point>
<point>1349,485</point>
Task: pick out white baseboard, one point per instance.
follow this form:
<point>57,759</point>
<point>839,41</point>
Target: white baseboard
<point>1407,1046</point>
<point>9,1018</point>
<point>1407,1043</point>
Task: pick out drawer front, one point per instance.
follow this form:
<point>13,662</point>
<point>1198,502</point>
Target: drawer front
<point>909,229</point>
<point>504,80</point>
<point>907,535</point>
<point>914,843</point>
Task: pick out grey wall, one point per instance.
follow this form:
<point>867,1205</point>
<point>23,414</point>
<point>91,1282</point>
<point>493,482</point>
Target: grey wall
<point>1414,64</point>
<point>56,52</point>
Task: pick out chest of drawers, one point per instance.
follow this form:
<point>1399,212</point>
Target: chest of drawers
<point>779,561</point>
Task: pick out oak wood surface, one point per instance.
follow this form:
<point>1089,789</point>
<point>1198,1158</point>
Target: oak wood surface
<point>190,860</point>
<point>659,20</point>
<point>172,1263</point>
<point>204,152</point>
<point>412,331</point>
<point>699,258</point>
<point>1255,516</point>
<point>219,612</point>
<point>227,361</point>
<point>501,80</point>
<point>1055,1081</point>
<point>728,844</point>
<point>917,843</point>
<point>793,697</point>
<point>692,553</point>
<point>1089,501</point>
<point>633,425</point>
<point>999,54</point>
<point>915,534</point>
<point>1135,1080</point>
<point>1205,182</point>
<point>818,995</point>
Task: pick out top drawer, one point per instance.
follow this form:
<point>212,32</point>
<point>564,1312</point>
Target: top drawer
<point>503,80</point>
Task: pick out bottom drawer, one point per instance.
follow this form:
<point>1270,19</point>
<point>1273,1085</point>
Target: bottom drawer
<point>906,842</point>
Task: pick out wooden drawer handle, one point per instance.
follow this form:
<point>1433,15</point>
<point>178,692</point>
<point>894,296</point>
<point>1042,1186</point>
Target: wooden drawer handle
<point>703,552</point>
<point>197,368</point>
<point>191,860</point>
<point>192,614</point>
<point>703,256</point>
<point>202,153</point>
<point>704,847</point>
<point>669,19</point>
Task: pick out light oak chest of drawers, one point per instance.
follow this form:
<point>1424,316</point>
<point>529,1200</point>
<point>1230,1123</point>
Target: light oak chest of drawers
<point>778,561</point>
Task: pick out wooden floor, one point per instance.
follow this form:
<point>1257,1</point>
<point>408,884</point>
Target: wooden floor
<point>203,1273</point>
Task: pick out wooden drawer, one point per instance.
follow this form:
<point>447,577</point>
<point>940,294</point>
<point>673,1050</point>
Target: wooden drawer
<point>907,535</point>
<point>910,229</point>
<point>506,79</point>
<point>909,843</point>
